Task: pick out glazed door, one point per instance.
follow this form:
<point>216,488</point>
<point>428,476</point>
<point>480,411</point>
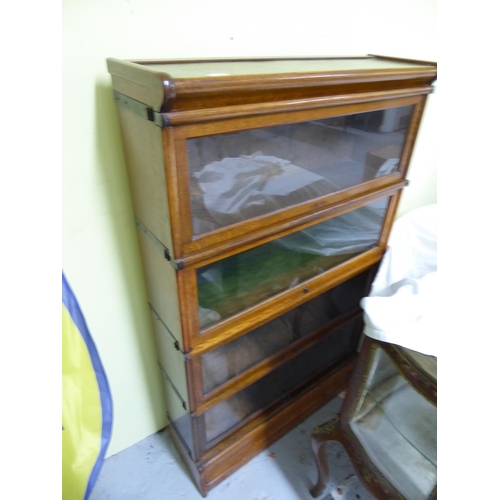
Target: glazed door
<point>223,298</point>
<point>232,366</point>
<point>234,182</point>
<point>253,173</point>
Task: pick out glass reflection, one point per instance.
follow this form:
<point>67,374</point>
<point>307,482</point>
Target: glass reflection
<point>238,176</point>
<point>231,285</point>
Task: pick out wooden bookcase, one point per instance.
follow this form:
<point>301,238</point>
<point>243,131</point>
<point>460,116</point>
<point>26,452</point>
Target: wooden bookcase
<point>264,192</point>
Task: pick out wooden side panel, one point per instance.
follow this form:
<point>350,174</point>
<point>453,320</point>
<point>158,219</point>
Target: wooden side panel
<point>142,141</point>
<point>171,359</point>
<point>161,283</point>
<point>175,408</point>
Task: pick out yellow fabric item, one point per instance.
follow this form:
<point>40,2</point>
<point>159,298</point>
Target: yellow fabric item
<point>83,439</point>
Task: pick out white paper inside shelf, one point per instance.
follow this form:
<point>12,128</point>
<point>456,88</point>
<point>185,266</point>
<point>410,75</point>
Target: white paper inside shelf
<point>402,305</point>
<point>236,189</point>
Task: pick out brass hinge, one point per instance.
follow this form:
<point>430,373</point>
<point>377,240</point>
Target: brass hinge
<point>143,110</point>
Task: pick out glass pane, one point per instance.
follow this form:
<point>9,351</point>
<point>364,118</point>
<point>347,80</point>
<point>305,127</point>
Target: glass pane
<point>233,358</point>
<point>397,428</point>
<point>282,381</point>
<point>234,177</point>
<point>231,285</point>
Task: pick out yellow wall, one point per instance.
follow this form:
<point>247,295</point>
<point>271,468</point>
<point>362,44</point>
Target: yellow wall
<point>100,252</point>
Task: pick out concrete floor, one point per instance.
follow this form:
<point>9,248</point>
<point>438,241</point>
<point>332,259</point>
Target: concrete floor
<point>153,470</point>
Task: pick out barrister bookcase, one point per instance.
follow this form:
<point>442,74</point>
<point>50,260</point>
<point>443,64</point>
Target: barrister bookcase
<point>264,191</point>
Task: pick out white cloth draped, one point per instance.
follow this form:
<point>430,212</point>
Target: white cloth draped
<point>236,189</point>
<point>402,305</point>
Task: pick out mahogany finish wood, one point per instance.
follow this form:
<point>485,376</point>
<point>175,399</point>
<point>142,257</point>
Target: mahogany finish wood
<point>163,104</point>
<point>291,109</point>
<point>166,92</point>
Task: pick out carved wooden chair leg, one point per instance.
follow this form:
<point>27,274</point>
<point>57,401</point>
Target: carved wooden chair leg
<point>320,435</point>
